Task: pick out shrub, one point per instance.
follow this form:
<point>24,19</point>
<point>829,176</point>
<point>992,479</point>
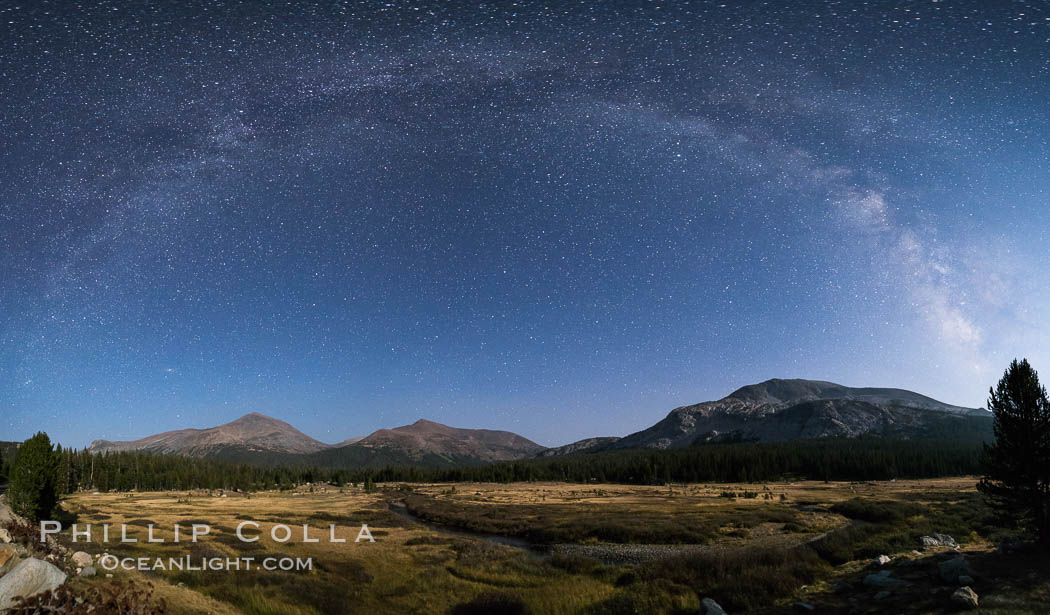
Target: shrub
<point>491,602</point>
<point>878,511</point>
<point>742,579</point>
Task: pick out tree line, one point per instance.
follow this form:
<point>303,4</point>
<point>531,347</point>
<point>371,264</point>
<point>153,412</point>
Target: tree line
<point>45,473</point>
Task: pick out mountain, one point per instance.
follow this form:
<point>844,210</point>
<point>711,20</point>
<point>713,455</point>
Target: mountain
<point>261,440</point>
<point>778,410</point>
<point>251,434</point>
<point>587,445</point>
<point>428,437</point>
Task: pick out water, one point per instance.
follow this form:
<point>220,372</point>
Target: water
<point>509,541</point>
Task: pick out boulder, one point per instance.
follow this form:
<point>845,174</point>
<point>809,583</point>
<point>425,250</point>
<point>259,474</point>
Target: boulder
<point>954,568</point>
<point>710,607</point>
<point>937,540</point>
<point>882,560</point>
<point>8,558</point>
<point>965,598</point>
<point>88,571</point>
<point>882,579</point>
<point>30,577</point>
<point>81,559</point>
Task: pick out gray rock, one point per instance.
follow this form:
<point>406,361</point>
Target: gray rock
<point>88,571</point>
<point>81,559</point>
<point>954,568</point>
<point>710,607</point>
<point>882,560</point>
<point>882,595</point>
<point>882,579</point>
<point>29,578</point>
<point>965,597</point>
<point>937,540</point>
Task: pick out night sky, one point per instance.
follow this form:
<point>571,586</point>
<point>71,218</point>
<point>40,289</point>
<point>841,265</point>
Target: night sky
<point>561,219</point>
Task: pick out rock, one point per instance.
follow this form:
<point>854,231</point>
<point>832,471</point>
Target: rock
<point>937,540</point>
<point>882,595</point>
<point>5,536</point>
<point>710,607</point>
<point>954,568</point>
<point>965,597</point>
<point>81,559</point>
<point>88,571</point>
<point>29,578</point>
<point>882,560</point>
<point>8,559</point>
<point>882,579</point>
<point>965,580</point>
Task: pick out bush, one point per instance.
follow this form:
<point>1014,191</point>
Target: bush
<point>491,602</point>
<point>878,512</point>
<point>742,579</point>
<point>574,564</point>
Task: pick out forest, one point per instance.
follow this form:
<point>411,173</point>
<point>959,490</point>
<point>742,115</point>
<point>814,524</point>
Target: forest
<point>824,459</point>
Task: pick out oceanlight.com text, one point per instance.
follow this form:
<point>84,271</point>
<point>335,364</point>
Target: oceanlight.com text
<point>286,564</point>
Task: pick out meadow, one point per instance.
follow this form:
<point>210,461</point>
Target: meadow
<point>758,547</point>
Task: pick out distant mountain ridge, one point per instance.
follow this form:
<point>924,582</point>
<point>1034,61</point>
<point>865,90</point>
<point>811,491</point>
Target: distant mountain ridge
<point>770,411</point>
<point>779,409</point>
<point>430,437</point>
<point>252,431</point>
<point>587,445</point>
<point>257,438</point>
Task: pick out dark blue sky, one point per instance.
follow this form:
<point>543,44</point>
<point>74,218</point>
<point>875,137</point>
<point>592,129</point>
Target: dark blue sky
<point>560,219</point>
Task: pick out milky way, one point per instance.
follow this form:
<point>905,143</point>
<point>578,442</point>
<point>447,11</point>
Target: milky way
<point>560,219</point>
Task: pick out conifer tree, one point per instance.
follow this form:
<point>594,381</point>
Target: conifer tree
<point>1017,467</point>
<point>33,491</point>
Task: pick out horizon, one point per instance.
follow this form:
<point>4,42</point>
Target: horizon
<point>350,217</point>
<point>341,441</point>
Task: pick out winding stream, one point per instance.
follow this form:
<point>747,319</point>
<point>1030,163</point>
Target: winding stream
<point>509,541</point>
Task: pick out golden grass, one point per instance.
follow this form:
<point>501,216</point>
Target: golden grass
<point>390,576</point>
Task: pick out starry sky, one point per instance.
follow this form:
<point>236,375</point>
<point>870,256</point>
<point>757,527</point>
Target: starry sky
<point>558,218</point>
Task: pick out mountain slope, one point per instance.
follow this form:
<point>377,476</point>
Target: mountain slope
<point>778,410</point>
<point>428,437</point>
<point>587,445</point>
<point>251,433</point>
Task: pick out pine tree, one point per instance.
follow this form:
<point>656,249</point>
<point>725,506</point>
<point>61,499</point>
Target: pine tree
<point>33,490</point>
<point>1017,466</point>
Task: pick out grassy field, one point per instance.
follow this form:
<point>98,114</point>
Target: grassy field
<point>762,547</point>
